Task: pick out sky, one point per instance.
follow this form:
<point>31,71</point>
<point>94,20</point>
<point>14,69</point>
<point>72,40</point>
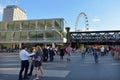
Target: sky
<point>101,14</point>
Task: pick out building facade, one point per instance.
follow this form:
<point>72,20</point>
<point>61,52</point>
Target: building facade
<point>13,12</point>
<point>44,31</point>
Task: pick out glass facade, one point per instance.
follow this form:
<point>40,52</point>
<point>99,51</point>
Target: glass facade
<point>32,31</point>
<point>2,26</point>
<point>2,36</point>
<point>16,36</point>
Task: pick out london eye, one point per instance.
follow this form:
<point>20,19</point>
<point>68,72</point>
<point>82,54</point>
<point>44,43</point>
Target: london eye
<point>82,14</point>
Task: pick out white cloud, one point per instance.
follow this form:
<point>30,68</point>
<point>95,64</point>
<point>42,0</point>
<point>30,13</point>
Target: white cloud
<point>96,20</point>
<point>1,9</point>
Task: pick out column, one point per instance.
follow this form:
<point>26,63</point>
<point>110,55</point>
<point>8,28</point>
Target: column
<point>53,45</point>
<point>68,34</point>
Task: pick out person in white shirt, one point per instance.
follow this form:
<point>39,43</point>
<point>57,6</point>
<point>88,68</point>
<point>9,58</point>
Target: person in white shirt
<point>24,56</point>
<point>102,50</point>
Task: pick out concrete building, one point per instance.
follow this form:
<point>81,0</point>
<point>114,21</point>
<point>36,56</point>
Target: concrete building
<point>13,12</point>
<point>14,34</point>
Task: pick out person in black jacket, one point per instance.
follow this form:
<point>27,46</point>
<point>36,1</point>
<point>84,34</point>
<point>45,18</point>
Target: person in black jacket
<point>51,54</point>
<point>31,67</point>
<point>62,52</point>
<point>45,54</point>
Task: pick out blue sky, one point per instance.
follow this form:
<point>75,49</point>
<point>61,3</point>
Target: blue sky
<point>102,14</point>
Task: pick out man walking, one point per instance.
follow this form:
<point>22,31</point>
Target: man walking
<point>95,53</point>
<point>24,56</point>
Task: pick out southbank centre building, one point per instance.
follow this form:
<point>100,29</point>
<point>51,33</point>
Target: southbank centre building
<point>14,34</point>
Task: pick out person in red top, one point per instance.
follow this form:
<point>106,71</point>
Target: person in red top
<point>116,52</point>
<point>68,51</point>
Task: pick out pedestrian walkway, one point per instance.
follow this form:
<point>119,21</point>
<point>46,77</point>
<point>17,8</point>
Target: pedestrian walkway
<point>77,69</point>
<point>8,54</point>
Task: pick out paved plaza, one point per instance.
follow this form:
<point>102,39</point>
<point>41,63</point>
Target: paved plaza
<point>77,69</point>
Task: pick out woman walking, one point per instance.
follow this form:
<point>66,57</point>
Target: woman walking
<point>68,52</point>
<point>38,62</point>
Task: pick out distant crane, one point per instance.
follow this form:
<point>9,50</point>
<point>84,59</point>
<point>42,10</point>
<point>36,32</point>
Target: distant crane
<point>86,21</point>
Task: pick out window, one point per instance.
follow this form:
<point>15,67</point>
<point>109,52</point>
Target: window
<point>49,24</point>
<point>33,35</point>
<point>58,34</point>
<point>17,26</point>
<point>32,25</point>
<point>50,35</point>
<point>57,24</point>
<point>10,26</point>
<point>25,25</point>
<point>23,35</point>
<point>2,26</point>
<point>41,25</point>
<point>16,36</point>
<point>39,35</point>
<point>9,36</point>
<point>2,35</point>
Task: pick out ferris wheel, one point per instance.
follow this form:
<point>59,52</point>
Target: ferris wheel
<point>86,21</point>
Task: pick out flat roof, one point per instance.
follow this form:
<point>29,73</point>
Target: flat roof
<point>33,20</point>
<point>15,6</point>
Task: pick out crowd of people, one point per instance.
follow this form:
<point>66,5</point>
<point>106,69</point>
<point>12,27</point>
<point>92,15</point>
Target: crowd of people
<point>39,55</point>
<point>100,50</point>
